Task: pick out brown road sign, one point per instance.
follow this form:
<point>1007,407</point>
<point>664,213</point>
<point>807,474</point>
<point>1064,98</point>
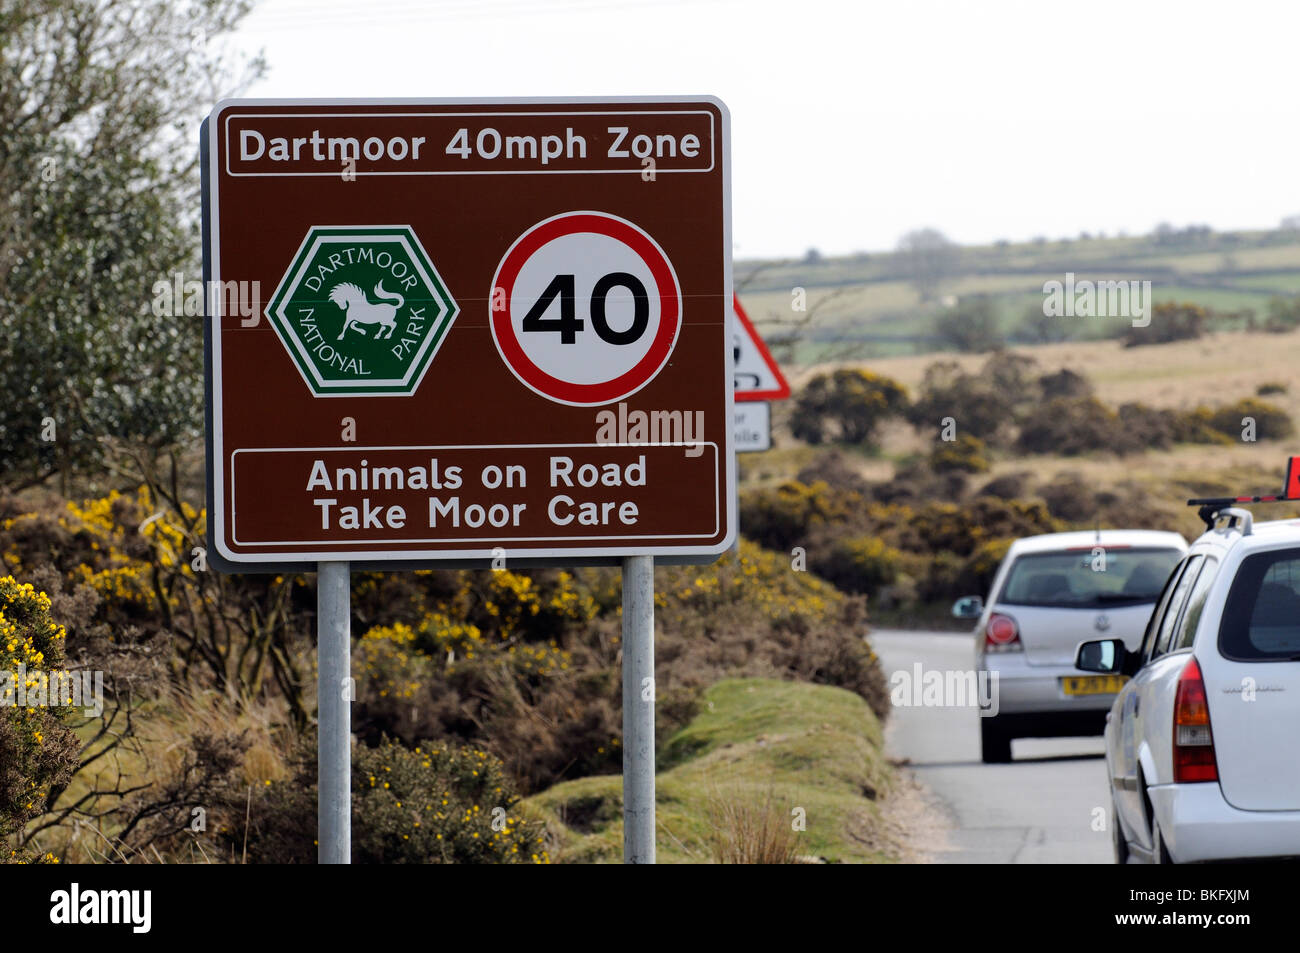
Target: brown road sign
<point>485,329</point>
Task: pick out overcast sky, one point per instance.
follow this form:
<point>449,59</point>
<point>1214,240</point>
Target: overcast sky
<point>853,123</point>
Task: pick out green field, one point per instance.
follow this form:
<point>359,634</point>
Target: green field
<point>868,306</point>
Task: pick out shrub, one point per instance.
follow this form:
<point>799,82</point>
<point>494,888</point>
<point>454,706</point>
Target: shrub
<point>960,529</point>
<point>1006,487</point>
<point>38,752</point>
<point>857,563</point>
<point>1169,322</point>
<point>755,617</point>
<point>1197,426</point>
<point>854,401</point>
<point>1271,421</point>
<point>779,518</point>
<point>983,563</point>
<point>973,401</point>
<point>1070,426</point>
<point>1144,427</point>
<point>942,579</point>
<point>1069,498</point>
<point>1064,383</point>
<point>1271,387</point>
<point>834,469</point>
<point>429,804</point>
<point>966,454</point>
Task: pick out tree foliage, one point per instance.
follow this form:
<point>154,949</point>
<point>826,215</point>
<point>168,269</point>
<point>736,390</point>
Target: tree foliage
<point>99,106</point>
<point>971,327</point>
<point>927,257</point>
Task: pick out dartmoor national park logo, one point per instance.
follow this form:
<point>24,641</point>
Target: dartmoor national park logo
<point>362,310</point>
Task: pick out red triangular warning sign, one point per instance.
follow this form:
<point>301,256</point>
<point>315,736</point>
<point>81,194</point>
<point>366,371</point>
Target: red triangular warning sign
<point>1292,491</point>
<point>756,375</point>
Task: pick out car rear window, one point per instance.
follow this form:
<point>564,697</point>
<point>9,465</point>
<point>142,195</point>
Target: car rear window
<point>1089,578</point>
<point>1261,618</point>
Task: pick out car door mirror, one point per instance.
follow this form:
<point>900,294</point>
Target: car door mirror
<point>1106,656</point>
<point>968,607</point>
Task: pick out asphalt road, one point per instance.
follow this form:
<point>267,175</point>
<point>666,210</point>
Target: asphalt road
<point>1039,809</point>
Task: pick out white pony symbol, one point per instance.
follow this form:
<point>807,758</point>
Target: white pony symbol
<point>358,310</point>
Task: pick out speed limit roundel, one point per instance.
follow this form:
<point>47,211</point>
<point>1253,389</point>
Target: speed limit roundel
<point>585,308</point>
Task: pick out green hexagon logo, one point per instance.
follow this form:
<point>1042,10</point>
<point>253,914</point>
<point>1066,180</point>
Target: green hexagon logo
<point>362,310</point>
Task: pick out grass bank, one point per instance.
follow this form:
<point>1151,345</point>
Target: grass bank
<point>759,754</point>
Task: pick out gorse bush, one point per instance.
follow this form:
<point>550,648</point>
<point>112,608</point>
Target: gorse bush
<point>1270,421</point>
<point>780,518</point>
<point>430,804</point>
<point>1197,426</point>
<point>1064,383</point>
<point>1169,322</point>
<point>1068,426</point>
<point>38,752</point>
<point>966,454</point>
<point>927,548</point>
<point>833,468</point>
<point>848,405</point>
<point>975,404</point>
<point>1008,486</point>
<point>863,564</point>
<point>753,616</point>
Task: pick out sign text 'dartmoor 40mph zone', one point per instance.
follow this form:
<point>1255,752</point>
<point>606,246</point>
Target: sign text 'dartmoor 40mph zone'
<point>496,328</point>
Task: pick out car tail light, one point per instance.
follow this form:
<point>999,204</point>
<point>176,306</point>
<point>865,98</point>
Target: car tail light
<point>1001,634</point>
<point>1193,742</point>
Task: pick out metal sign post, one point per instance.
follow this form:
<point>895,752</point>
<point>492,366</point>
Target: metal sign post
<point>639,710</point>
<point>334,695</point>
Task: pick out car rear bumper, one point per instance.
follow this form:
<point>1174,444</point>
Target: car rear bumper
<point>1197,824</point>
<point>1027,689</point>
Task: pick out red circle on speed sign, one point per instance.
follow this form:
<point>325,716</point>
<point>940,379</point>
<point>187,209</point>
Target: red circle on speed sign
<point>585,308</point>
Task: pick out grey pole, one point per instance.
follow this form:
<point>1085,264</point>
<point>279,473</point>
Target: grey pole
<point>638,710</point>
<point>735,499</point>
<point>334,696</point>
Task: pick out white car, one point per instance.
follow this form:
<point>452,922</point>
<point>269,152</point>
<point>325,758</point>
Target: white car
<point>1203,744</point>
<point>1050,593</point>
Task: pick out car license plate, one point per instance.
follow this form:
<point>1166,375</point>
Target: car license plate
<point>1092,684</point>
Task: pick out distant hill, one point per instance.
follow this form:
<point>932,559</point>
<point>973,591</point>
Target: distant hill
<point>868,305</point>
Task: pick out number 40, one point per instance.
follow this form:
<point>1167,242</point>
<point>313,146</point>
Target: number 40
<point>569,324</point>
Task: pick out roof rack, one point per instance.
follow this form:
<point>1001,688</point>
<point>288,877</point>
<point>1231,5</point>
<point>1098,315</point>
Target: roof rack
<point>1214,507</point>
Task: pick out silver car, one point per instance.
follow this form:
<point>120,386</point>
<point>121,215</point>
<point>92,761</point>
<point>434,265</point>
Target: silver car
<point>1050,593</point>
